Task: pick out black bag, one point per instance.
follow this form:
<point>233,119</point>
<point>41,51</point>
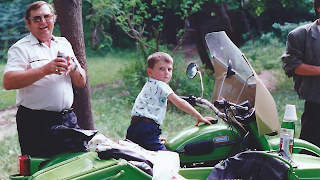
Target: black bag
<point>250,165</point>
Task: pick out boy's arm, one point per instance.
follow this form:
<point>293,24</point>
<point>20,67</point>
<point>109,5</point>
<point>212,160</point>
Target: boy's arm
<point>186,107</point>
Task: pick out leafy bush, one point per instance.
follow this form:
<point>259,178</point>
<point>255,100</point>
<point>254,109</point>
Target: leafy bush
<point>184,86</point>
<point>265,52</point>
<point>135,76</point>
<point>12,26</point>
<point>287,27</point>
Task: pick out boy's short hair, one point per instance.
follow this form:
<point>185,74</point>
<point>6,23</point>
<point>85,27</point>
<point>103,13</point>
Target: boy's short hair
<point>158,56</point>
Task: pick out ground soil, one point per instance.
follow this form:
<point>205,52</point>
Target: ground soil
<point>7,122</point>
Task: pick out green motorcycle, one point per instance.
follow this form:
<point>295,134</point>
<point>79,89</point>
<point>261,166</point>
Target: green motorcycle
<point>246,121</point>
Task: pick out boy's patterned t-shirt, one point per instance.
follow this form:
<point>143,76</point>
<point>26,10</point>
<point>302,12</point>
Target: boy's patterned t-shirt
<point>152,101</point>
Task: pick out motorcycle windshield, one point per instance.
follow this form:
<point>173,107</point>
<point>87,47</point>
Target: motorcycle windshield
<point>244,85</point>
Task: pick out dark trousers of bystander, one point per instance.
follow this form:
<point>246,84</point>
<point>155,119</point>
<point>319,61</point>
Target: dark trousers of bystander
<point>35,131</point>
<point>310,123</point>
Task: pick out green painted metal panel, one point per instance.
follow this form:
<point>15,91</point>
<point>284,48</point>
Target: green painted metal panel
<point>206,132</point>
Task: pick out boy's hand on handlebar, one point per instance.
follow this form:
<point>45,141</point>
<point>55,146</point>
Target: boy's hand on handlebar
<point>204,119</point>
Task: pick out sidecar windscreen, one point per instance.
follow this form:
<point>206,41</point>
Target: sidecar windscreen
<point>239,87</point>
<point>244,84</point>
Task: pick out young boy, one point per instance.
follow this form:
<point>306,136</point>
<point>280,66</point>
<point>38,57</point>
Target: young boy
<point>149,109</point>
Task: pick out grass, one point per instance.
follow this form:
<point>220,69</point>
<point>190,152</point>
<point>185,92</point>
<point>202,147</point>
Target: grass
<point>104,70</point>
<point>111,107</point>
<point>7,98</point>
<point>9,149</point>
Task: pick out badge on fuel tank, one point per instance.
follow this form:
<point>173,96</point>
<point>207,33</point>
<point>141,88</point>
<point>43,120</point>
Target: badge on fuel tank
<point>220,139</point>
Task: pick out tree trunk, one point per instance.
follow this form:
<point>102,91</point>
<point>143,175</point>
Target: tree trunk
<point>114,31</point>
<point>195,23</point>
<point>95,35</point>
<point>223,17</point>
<point>238,24</point>
<point>70,20</point>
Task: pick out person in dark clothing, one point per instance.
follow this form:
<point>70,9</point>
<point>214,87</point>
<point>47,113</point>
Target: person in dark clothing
<point>302,62</point>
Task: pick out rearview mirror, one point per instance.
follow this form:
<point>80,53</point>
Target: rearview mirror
<point>192,70</point>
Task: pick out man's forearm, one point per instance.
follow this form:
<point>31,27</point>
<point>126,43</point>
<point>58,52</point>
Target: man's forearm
<point>78,77</point>
<point>307,70</point>
<point>21,79</point>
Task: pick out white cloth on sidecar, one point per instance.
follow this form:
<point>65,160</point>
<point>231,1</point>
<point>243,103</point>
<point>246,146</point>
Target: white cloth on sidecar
<point>165,163</point>
<point>100,143</point>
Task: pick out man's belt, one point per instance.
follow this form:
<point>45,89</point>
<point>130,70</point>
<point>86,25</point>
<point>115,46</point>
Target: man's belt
<point>63,112</point>
<point>135,119</point>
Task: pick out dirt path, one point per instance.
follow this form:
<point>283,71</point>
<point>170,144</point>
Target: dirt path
<point>268,79</point>
<point>8,122</point>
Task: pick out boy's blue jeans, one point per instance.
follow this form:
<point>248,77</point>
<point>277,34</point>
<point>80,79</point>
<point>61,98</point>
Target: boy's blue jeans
<point>146,135</point>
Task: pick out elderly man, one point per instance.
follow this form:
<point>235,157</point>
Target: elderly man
<point>43,82</point>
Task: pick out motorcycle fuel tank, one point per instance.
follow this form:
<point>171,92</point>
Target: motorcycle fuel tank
<point>206,143</point>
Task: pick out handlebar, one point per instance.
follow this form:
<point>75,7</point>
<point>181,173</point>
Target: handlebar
<point>196,101</point>
<point>243,110</point>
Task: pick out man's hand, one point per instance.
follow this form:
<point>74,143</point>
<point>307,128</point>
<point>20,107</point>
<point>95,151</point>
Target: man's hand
<point>71,66</point>
<point>55,66</point>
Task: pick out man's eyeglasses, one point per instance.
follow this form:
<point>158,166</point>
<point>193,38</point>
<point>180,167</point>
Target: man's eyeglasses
<point>47,17</point>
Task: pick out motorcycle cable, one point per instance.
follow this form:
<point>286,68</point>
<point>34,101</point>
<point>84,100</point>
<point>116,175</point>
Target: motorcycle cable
<point>231,119</point>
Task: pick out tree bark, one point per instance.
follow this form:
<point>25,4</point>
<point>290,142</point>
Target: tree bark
<point>195,23</point>
<point>223,17</point>
<point>70,20</point>
<point>237,24</point>
<point>95,35</point>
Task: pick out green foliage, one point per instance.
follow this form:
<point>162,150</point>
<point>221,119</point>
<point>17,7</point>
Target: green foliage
<point>141,20</point>
<point>104,68</point>
<point>184,86</point>
<point>7,98</point>
<point>131,16</point>
<point>9,149</point>
<point>257,7</point>
<point>12,26</point>
<point>283,82</point>
<point>134,76</point>
<point>265,52</point>
<point>111,114</point>
<point>187,7</point>
<point>287,96</point>
<point>287,27</point>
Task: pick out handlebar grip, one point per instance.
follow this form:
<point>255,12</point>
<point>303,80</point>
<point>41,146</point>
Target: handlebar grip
<point>184,98</point>
<point>221,103</point>
<point>191,99</point>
